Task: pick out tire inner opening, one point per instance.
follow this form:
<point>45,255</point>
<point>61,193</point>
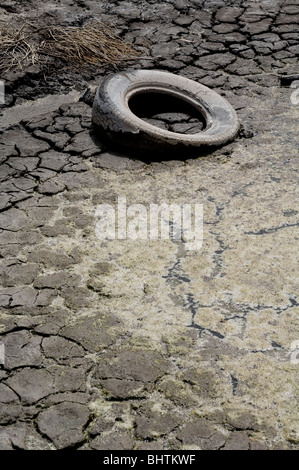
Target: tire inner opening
<point>167,112</point>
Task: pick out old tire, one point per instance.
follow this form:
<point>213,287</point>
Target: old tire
<point>117,123</point>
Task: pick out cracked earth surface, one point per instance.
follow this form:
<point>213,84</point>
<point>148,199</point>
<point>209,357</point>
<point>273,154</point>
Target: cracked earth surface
<point>143,344</point>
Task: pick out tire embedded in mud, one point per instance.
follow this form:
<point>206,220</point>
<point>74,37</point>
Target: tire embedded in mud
<point>119,126</point>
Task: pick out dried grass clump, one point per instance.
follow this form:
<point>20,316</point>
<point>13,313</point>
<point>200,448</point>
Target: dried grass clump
<point>94,44</point>
<point>17,49</point>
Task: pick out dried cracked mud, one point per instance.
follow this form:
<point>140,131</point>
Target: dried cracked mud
<point>143,344</point>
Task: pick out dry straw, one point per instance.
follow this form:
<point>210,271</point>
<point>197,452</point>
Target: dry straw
<point>17,48</point>
<point>90,45</point>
